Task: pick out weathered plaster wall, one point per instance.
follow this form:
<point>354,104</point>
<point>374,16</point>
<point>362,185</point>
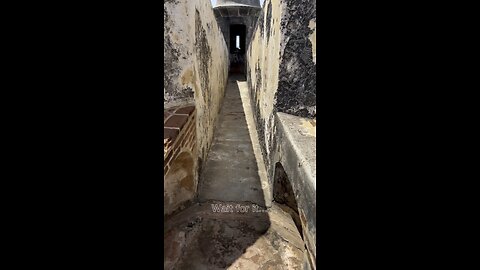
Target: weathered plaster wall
<point>195,64</point>
<point>281,75</point>
<point>178,51</point>
<point>281,66</point>
<point>263,64</point>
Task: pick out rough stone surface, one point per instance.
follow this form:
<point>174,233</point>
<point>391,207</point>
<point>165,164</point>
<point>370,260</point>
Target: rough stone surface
<point>296,152</point>
<point>281,76</point>
<point>296,92</point>
<point>281,69</point>
<point>281,66</point>
<point>199,238</point>
<point>178,51</point>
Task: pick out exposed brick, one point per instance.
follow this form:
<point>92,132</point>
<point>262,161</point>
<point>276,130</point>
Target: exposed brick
<point>191,133</point>
<point>172,110</point>
<point>177,121</point>
<point>189,130</point>
<point>170,156</point>
<point>184,142</point>
<point>177,151</point>
<point>180,139</point>
<point>191,125</point>
<point>186,132</point>
<point>167,145</point>
<point>185,110</point>
<point>185,128</point>
<point>187,144</point>
<point>170,133</point>
<point>166,114</point>
<point>167,159</point>
<point>190,121</point>
<point>188,137</point>
<point>190,142</point>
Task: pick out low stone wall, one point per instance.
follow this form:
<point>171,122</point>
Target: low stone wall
<point>180,152</point>
<point>296,153</point>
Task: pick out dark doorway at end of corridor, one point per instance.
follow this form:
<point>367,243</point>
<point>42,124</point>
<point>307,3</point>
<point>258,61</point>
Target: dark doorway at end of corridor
<point>238,34</point>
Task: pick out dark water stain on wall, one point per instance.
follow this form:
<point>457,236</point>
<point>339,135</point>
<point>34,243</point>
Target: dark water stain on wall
<point>268,20</point>
<point>203,54</point>
<point>296,91</point>
<point>297,76</point>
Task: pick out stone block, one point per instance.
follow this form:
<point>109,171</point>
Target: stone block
<point>170,133</point>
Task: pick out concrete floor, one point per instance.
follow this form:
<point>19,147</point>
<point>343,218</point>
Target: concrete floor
<point>234,169</point>
<point>237,236</point>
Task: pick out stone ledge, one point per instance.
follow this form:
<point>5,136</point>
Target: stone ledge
<point>296,152</point>
<point>301,136</point>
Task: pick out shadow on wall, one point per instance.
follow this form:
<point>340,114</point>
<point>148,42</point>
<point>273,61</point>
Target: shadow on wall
<point>283,194</point>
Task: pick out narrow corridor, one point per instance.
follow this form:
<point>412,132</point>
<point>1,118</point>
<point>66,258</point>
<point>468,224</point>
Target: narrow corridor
<point>225,229</point>
<point>234,169</point>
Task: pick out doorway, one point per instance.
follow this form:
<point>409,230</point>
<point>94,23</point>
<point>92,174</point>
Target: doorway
<point>238,34</point>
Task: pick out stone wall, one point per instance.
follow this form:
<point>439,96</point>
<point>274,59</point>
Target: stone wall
<point>281,75</point>
<point>281,66</point>
<point>195,65</point>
